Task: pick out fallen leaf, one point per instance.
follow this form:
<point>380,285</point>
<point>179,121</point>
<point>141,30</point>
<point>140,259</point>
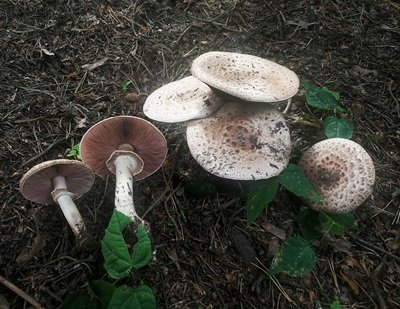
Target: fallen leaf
<point>352,284</point>
<point>92,66</point>
<point>280,233</point>
<point>30,251</point>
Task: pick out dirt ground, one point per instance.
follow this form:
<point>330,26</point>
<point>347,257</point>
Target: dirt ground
<point>50,97</point>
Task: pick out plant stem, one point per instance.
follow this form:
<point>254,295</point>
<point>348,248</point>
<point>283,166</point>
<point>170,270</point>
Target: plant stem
<point>63,198</point>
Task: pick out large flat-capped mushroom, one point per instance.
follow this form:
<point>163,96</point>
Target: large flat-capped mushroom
<point>181,100</point>
<point>247,77</point>
<point>127,146</point>
<point>242,142</point>
<point>59,181</point>
<point>341,171</point>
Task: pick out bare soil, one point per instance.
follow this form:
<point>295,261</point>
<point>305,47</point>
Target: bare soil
<point>203,250</point>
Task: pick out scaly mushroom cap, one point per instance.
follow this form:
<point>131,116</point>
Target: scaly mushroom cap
<point>127,133</point>
<point>240,141</point>
<point>341,171</point>
<point>182,100</point>
<point>245,76</point>
<point>36,184</point>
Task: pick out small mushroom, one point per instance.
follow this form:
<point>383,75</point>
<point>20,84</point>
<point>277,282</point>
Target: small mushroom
<point>242,142</point>
<point>127,146</point>
<point>247,77</point>
<point>59,181</point>
<point>181,100</point>
<point>341,171</point>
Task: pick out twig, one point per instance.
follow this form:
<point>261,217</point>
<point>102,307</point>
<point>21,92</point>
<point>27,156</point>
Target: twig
<point>375,247</point>
<point>20,293</point>
<point>378,294</point>
<point>42,153</point>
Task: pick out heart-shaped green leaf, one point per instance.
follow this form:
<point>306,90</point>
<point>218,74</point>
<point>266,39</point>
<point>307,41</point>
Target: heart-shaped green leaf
<point>335,127</point>
<point>336,224</point>
<point>141,253</point>
<point>294,180</point>
<point>309,224</point>
<point>117,260</point>
<point>261,193</point>
<point>321,98</point>
<point>126,297</point>
<point>104,291</point>
<point>295,258</point>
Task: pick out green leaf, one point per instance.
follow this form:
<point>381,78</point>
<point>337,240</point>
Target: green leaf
<point>335,127</point>
<point>126,297</point>
<point>141,253</point>
<point>104,291</point>
<point>261,193</point>
<point>74,152</point>
<point>309,224</point>
<point>79,301</point>
<point>321,98</point>
<point>335,94</point>
<point>336,305</point>
<point>294,180</point>
<point>200,188</point>
<point>336,224</point>
<point>117,260</point>
<point>295,258</point>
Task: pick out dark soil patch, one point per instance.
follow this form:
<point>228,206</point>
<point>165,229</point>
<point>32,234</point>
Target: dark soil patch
<point>202,246</point>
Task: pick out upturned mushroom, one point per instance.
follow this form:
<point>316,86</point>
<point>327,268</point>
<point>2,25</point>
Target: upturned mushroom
<point>59,181</point>
<point>185,99</point>
<point>341,171</point>
<point>127,146</point>
<point>247,77</point>
<point>242,142</point>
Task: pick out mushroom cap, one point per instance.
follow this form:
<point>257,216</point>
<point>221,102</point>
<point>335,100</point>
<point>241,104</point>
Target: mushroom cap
<point>247,77</point>
<point>243,142</point>
<point>122,133</point>
<point>341,171</point>
<point>36,184</point>
<point>185,99</point>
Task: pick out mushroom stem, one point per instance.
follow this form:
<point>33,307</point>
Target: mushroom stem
<point>64,198</point>
<point>126,167</point>
<point>288,106</point>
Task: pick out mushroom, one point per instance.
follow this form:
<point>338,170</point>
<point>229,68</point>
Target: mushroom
<point>185,99</point>
<point>341,171</point>
<point>59,181</point>
<point>242,142</point>
<point>127,146</point>
<point>247,77</point>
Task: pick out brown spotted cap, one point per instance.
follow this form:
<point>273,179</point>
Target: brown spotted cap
<point>247,77</point>
<point>239,141</point>
<point>36,184</point>
<point>181,100</point>
<point>123,133</point>
<point>341,171</point>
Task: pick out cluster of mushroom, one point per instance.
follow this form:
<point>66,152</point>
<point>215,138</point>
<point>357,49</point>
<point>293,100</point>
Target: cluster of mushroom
<point>127,146</point>
<point>244,137</point>
<point>241,137</point>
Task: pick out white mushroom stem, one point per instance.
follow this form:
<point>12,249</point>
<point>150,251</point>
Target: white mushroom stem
<point>64,198</point>
<point>288,106</point>
<point>125,165</point>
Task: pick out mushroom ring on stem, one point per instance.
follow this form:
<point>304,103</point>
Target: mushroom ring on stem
<point>241,142</point>
<point>127,146</point>
<point>341,171</point>
<point>59,181</point>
